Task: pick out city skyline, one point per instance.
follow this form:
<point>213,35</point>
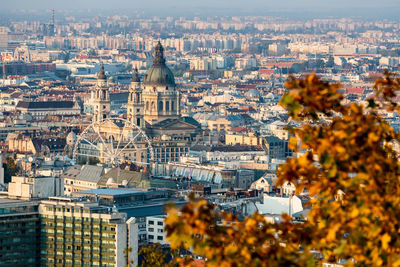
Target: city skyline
<point>309,8</point>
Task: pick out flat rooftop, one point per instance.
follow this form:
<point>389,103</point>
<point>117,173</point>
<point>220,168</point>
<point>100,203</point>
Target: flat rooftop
<point>8,202</point>
<point>111,192</point>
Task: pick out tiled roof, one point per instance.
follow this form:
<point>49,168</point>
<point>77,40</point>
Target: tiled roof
<point>91,173</point>
<point>45,104</point>
<point>133,178</point>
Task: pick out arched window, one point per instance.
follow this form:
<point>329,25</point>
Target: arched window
<point>166,105</point>
<point>153,106</point>
<point>138,122</point>
<point>160,106</point>
<point>172,105</point>
<point>147,105</point>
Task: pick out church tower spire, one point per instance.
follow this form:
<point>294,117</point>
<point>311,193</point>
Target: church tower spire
<point>101,102</point>
<point>135,106</point>
<point>159,59</point>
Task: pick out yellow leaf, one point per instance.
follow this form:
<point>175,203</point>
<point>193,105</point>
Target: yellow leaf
<point>293,143</point>
<point>354,213</point>
<point>385,239</point>
<point>373,137</point>
<point>332,232</point>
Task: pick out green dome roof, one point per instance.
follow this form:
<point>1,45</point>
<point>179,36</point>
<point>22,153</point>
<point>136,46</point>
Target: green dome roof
<point>159,73</point>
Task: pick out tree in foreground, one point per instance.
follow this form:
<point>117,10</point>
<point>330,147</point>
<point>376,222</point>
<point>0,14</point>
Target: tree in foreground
<point>10,169</point>
<point>352,174</point>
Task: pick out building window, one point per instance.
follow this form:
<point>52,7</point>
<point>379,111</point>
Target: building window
<point>151,236</point>
<point>160,106</point>
<point>160,223</point>
<point>166,105</point>
<point>151,222</point>
<point>151,229</point>
<point>160,238</point>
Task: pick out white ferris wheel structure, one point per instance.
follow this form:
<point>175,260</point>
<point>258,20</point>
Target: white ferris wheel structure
<point>113,141</point>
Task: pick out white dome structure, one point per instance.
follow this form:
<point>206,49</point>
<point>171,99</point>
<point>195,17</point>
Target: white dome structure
<point>71,138</point>
<point>253,93</point>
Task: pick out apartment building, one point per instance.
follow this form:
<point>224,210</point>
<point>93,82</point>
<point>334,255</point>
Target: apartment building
<point>81,233</point>
<point>155,229</point>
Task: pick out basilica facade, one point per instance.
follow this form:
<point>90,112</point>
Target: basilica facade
<point>154,106</point>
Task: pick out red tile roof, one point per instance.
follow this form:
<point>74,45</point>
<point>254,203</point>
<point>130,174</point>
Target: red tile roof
<point>266,71</point>
<point>355,91</point>
<point>199,263</point>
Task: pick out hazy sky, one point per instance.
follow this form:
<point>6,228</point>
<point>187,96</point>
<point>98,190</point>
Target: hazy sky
<point>327,7</point>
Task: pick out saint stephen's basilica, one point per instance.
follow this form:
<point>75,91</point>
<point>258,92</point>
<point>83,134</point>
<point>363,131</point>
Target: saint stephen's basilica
<point>154,106</point>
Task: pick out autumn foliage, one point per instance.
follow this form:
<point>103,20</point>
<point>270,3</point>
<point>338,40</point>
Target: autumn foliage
<point>351,171</point>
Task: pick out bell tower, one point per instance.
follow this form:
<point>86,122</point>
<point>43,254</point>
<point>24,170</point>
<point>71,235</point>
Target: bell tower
<point>135,106</point>
<point>101,103</point>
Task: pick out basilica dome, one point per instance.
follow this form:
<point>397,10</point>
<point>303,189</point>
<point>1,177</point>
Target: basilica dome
<point>159,73</point>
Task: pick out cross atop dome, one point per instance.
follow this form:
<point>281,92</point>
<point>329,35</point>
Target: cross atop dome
<point>159,54</point>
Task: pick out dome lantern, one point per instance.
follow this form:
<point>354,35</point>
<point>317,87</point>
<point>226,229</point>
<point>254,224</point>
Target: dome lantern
<point>159,73</point>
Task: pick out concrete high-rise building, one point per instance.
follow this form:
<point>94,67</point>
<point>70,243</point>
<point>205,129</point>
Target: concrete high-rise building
<point>3,38</point>
<point>81,233</point>
<point>1,169</point>
<point>19,233</point>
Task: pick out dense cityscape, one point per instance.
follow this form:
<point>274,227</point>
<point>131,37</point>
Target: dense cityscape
<point>104,119</point>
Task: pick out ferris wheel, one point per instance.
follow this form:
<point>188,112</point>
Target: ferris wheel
<point>113,141</point>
